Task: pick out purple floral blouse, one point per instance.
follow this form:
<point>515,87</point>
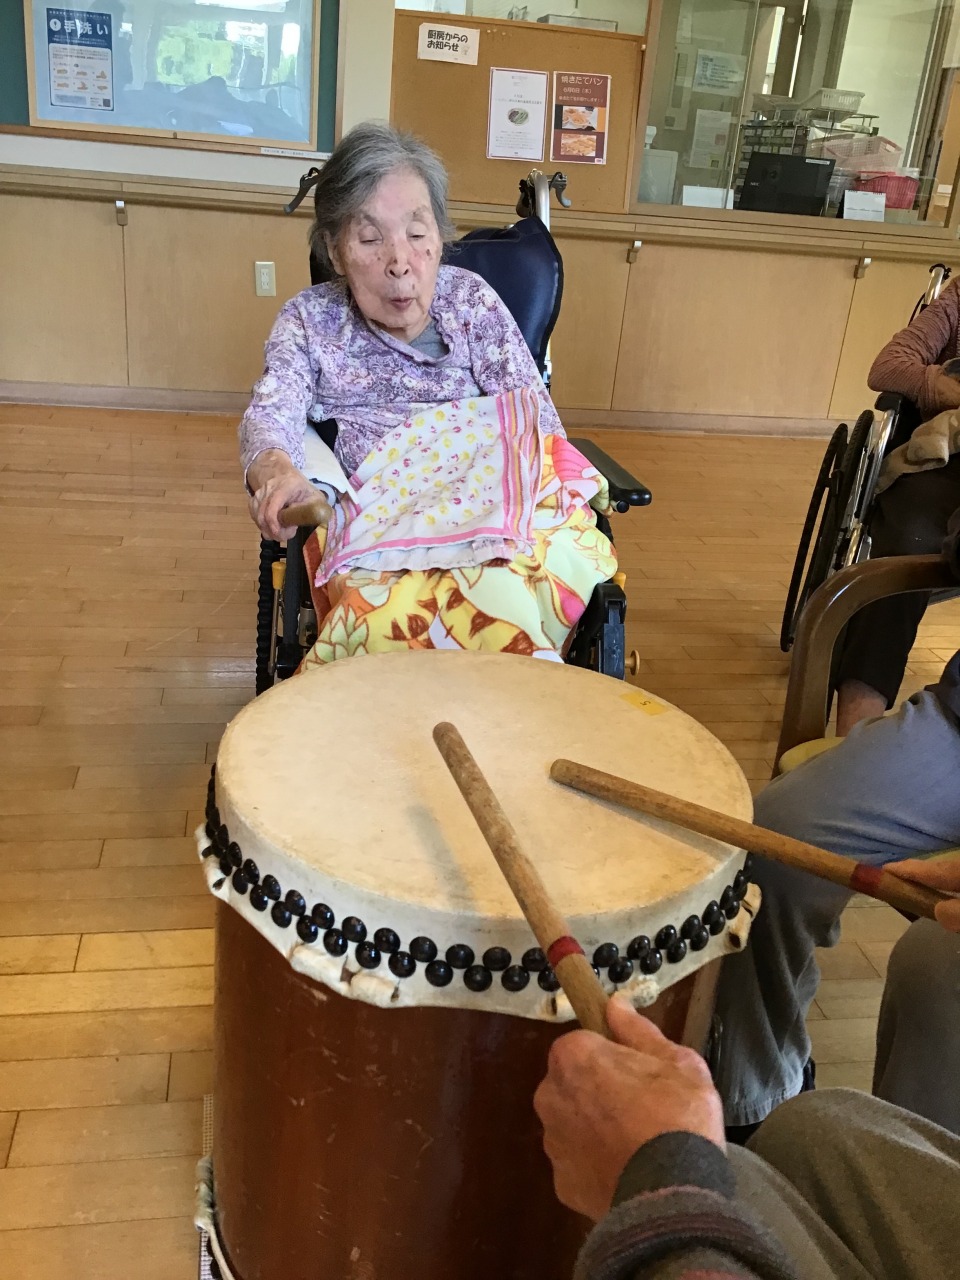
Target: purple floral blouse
<point>324,360</point>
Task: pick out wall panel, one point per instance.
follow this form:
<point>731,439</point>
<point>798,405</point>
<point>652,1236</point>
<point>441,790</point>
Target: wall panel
<point>724,331</point>
<point>61,285</point>
<point>195,322</point>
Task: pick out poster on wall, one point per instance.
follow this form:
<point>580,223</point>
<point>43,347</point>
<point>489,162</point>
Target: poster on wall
<point>448,44</point>
<point>720,73</point>
<point>581,108</point>
<point>80,58</point>
<point>517,116</point>
<point>711,134</point>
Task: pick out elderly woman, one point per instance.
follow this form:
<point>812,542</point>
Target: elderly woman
<point>467,521</point>
<point>909,518</point>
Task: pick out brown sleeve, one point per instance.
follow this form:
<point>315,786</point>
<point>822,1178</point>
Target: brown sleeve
<point>910,363</point>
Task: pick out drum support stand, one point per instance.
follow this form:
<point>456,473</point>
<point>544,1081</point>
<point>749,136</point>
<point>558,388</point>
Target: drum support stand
<point>211,1264</point>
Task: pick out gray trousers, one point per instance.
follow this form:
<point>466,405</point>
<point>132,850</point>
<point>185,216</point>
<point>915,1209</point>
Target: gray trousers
<point>854,1188</point>
<point>889,791</point>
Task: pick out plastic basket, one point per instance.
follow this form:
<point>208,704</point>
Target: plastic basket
<point>899,188</point>
<point>859,152</point>
<point>834,100</point>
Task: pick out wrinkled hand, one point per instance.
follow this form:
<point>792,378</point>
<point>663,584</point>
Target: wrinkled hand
<point>276,483</point>
<point>938,873</point>
<point>601,1101</point>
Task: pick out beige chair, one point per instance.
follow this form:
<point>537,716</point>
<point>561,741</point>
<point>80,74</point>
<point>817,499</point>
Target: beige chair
<point>807,707</point>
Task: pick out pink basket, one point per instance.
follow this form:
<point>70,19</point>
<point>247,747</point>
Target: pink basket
<point>899,188</point>
<point>858,153</point>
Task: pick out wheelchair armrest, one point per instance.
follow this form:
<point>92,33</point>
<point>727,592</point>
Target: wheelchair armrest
<point>888,401</point>
<point>625,490</point>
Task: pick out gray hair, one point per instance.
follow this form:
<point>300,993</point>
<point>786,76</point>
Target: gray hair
<point>359,164</point>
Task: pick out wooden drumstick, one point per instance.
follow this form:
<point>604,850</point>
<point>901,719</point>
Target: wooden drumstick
<point>316,511</point>
<point>574,971</point>
<point>915,899</point>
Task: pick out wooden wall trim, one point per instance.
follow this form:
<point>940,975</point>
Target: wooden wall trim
<point>180,141</point>
<point>694,423</point>
<point>76,396</point>
<point>234,403</point>
<point>692,229</point>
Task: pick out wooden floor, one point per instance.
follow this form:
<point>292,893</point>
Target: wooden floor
<point>126,639</point>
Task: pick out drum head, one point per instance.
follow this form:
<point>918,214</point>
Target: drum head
<point>333,783</point>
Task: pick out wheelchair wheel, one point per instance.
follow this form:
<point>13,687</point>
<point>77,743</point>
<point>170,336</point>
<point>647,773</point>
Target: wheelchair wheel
<point>816,512</point>
<point>830,513</point>
<point>816,517</point>
<point>270,553</point>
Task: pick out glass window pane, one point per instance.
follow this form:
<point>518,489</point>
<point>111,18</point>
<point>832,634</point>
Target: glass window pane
<point>844,108</point>
<point>239,69</point>
<point>609,15</point>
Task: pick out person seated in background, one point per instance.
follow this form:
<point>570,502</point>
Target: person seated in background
<point>469,524</point>
<point>921,362</point>
<point>836,1185</point>
<point>885,794</point>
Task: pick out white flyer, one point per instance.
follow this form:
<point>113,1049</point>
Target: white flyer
<point>439,43</point>
<point>517,116</point>
<point>711,134</point>
<point>865,206</point>
<point>720,73</point>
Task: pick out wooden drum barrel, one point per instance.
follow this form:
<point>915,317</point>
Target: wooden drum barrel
<point>383,1014</point>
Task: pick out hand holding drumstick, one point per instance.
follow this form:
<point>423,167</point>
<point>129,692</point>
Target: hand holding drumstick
<point>602,1101</point>
<point>897,891</point>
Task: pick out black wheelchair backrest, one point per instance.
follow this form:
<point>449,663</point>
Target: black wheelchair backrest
<point>521,263</point>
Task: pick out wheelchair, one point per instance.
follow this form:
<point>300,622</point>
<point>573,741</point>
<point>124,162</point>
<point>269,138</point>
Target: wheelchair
<point>836,530</point>
<point>522,263</point>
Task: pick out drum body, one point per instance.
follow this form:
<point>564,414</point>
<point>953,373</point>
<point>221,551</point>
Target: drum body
<point>373,1144</point>
<point>383,1015</point>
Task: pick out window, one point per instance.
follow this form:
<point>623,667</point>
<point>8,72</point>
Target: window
<point>240,69</point>
<point>833,108</point>
<point>610,15</point>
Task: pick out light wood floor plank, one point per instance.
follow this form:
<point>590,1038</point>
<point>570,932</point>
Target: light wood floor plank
<point>85,800</point>
<point>158,852</point>
<point>111,1034</point>
<point>190,778</point>
<point>119,915</point>
<point>86,1135</point>
<point>80,992</point>
<point>44,954</point>
<point>114,1191</point>
<point>37,778</point>
<point>167,949</point>
<point>49,855</point>
<point>84,826</point>
<point>104,882</point>
<point>83,1082</point>
<point>191,1075</point>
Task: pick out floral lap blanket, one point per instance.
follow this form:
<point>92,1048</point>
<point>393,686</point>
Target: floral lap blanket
<point>470,531</point>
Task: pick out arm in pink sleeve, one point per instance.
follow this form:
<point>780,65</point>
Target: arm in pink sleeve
<point>910,363</point>
<point>501,358</point>
<point>277,414</point>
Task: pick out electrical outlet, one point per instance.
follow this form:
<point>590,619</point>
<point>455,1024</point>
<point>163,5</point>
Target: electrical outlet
<point>265,279</point>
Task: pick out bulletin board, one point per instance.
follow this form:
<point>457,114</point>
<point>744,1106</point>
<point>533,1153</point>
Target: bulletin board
<point>446,104</point>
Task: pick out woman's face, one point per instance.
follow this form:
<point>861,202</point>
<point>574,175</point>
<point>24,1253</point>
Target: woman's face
<point>390,255</point>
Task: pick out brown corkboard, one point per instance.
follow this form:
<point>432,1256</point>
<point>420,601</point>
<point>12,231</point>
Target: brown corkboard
<point>446,105</point>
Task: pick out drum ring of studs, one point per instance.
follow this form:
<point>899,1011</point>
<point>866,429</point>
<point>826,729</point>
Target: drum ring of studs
<point>319,924</point>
